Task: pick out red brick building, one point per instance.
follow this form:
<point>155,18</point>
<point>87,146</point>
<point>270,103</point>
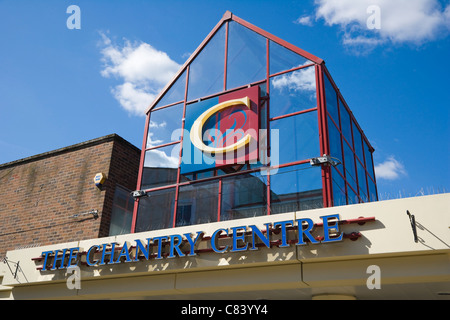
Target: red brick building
<point>46,198</point>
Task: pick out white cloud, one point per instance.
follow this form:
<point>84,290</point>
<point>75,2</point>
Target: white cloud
<point>305,21</point>
<point>143,69</point>
<point>401,21</point>
<point>133,98</point>
<point>157,158</point>
<point>390,169</point>
<point>303,79</point>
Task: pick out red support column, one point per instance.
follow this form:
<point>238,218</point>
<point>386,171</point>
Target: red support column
<point>141,169</point>
<point>323,134</point>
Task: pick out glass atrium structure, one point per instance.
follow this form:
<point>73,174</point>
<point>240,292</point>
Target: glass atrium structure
<point>294,114</point>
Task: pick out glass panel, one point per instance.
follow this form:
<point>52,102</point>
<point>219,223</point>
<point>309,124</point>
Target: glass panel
<point>294,138</point>
<point>358,142</point>
<point>156,211</point>
<point>372,190</point>
<point>122,212</point>
<point>206,71</point>
<point>197,203</point>
<point>160,167</point>
<point>165,125</point>
<point>335,143</point>
<point>352,196</point>
<point>246,56</point>
<point>350,166</point>
<point>282,59</point>
<point>339,198</point>
<point>292,92</point>
<point>362,181</point>
<point>244,196</point>
<point>345,123</point>
<point>331,100</point>
<point>296,188</point>
<point>175,93</point>
<point>369,162</point>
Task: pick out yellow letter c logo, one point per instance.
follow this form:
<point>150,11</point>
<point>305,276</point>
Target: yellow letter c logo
<point>197,127</point>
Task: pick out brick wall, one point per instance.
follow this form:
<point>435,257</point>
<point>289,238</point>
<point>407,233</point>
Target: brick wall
<point>39,194</point>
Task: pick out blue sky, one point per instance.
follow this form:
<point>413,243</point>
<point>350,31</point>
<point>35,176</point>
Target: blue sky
<point>61,86</point>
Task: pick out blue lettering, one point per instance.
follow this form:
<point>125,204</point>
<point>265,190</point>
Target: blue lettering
<point>141,247</point>
<point>160,240</point>
<point>327,227</point>
<point>124,253</point>
<point>73,256</point>
<point>176,246</point>
<point>264,239</point>
<point>283,225</point>
<point>214,239</point>
<point>192,243</point>
<point>237,237</point>
<point>59,258</point>
<point>107,253</point>
<point>305,231</point>
<point>88,258</point>
<point>45,254</point>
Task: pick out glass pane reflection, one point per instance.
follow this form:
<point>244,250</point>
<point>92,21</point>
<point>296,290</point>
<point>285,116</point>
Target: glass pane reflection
<point>345,123</point>
<point>243,196</point>
<point>339,198</point>
<point>292,92</point>
<point>369,162</point>
<point>246,56</point>
<point>165,125</point>
<point>175,93</point>
<point>206,71</point>
<point>197,203</point>
<point>156,211</point>
<point>297,139</point>
<point>296,188</point>
<point>122,212</point>
<point>160,166</point>
<point>331,100</point>
<point>335,143</point>
<point>282,59</point>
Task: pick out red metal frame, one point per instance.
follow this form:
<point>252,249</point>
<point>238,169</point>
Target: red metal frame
<point>141,169</point>
<point>293,114</point>
<point>175,206</point>
<point>226,58</point>
<point>342,103</point>
<point>323,137</point>
<point>164,145</point>
<point>291,70</point>
<point>280,41</point>
<point>320,70</point>
<point>268,149</point>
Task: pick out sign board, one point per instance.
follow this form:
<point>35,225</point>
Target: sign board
<point>221,131</point>
<point>240,238</point>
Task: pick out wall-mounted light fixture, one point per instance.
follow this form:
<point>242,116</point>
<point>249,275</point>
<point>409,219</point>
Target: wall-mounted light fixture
<point>94,214</point>
<point>324,160</point>
<point>139,193</point>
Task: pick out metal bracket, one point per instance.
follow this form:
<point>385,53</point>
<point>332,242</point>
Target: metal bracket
<point>17,266</point>
<point>412,220</point>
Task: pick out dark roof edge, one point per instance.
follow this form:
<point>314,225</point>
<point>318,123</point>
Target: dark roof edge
<point>81,145</point>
